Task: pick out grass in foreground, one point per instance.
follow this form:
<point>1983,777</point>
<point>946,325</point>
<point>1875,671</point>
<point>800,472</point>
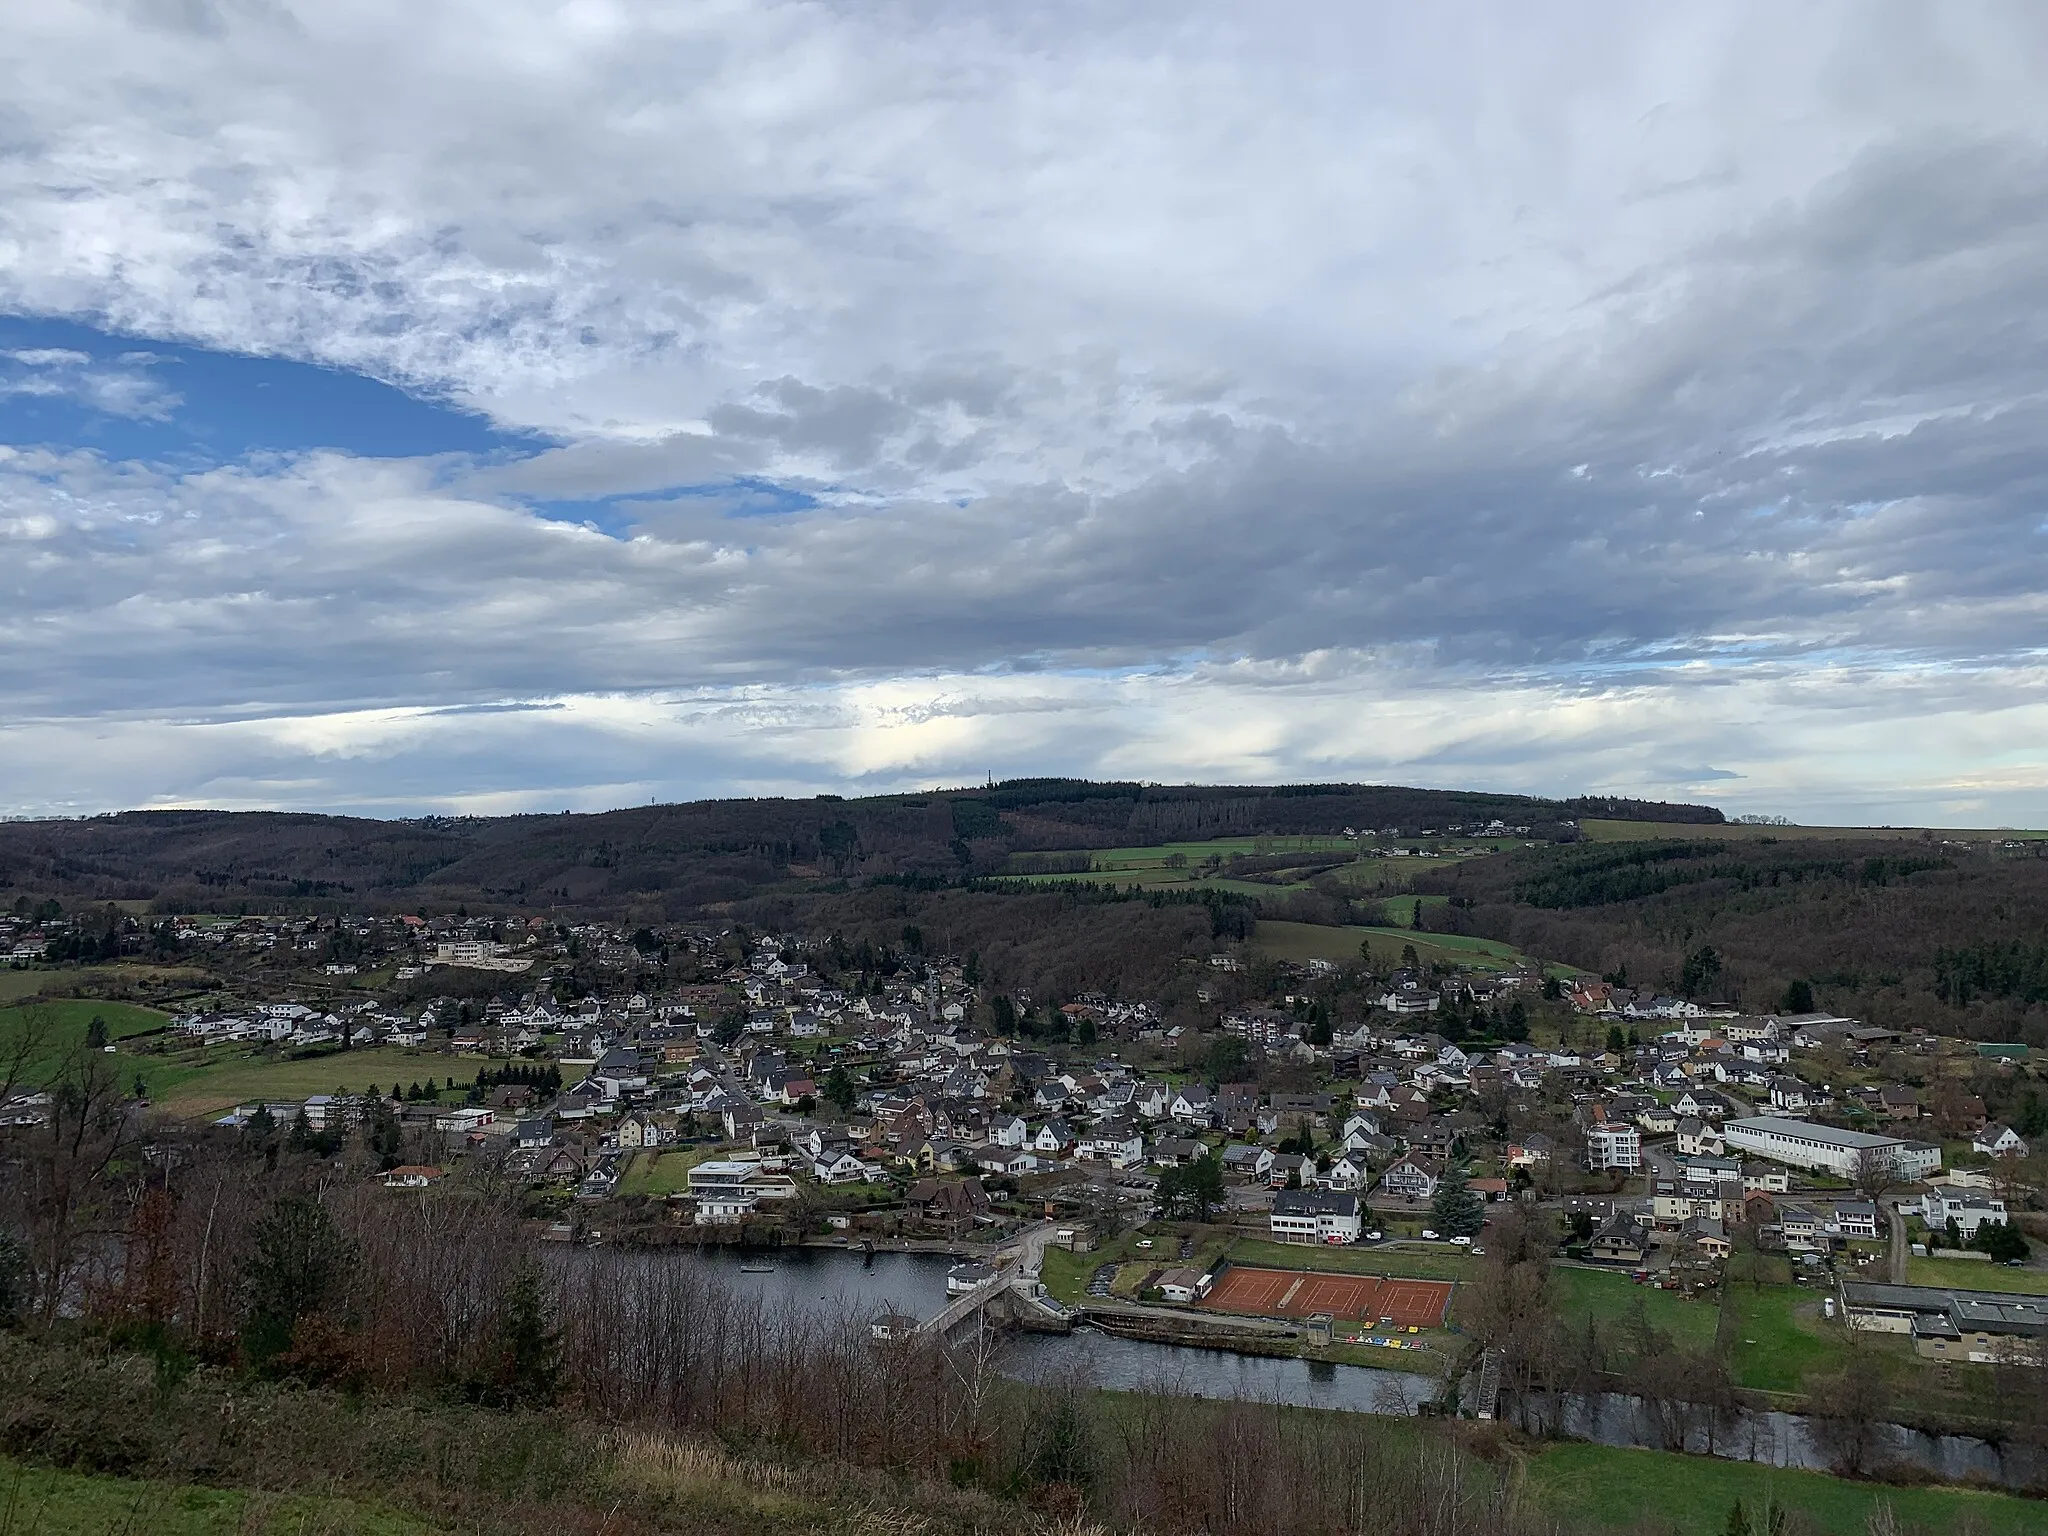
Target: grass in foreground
<point>38,1500</point>
<point>1600,1488</point>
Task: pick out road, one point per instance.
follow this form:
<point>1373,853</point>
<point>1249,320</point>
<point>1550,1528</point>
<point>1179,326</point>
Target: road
<point>1898,1251</point>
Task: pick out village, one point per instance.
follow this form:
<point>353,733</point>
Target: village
<point>1668,1139</point>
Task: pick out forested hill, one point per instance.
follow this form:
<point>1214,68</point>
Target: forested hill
<point>1897,928</point>
<point>679,857</point>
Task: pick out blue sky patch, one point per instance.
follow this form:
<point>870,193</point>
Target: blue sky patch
<point>67,385</point>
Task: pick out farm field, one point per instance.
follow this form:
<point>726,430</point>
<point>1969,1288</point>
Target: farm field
<point>209,1081</point>
<point>1612,1299</point>
<point>1967,1275</point>
<point>1601,1488</point>
<point>1311,941</point>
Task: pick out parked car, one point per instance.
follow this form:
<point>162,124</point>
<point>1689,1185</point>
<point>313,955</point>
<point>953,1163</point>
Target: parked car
<point>1428,1236</point>
<point>1462,1242</point>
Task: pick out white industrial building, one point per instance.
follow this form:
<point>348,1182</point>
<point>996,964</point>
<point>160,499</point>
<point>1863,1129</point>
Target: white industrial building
<point>1826,1149</point>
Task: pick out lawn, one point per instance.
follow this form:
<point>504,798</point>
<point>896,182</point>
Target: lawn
<point>1777,1337</point>
<point>1413,1263</point>
<point>1597,1487</point>
<point>662,1174</point>
<point>1612,1299</point>
<point>1966,1275</point>
<point>1312,941</point>
<point>40,1501</point>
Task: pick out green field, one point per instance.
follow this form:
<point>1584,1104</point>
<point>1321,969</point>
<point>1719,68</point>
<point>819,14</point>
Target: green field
<point>1967,1275</point>
<point>1312,941</point>
<point>1777,1337</point>
<point>209,1080</point>
<point>1599,1488</point>
<point>662,1174</point>
<point>62,1025</point>
<point>1612,1300</point>
<point>39,1501</point>
<point>1430,1263</point>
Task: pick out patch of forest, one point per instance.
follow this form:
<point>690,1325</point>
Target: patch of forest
<point>672,860</point>
<point>1900,932</point>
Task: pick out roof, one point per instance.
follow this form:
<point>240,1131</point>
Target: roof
<point>1314,1202</point>
<point>1807,1130</point>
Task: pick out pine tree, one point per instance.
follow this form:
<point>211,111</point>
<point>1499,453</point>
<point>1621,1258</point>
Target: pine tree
<point>1458,1211</point>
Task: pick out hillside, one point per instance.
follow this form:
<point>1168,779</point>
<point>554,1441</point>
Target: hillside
<point>672,859</point>
<point>1903,929</point>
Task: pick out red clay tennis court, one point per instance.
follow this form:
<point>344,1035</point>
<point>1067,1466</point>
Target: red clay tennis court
<point>1348,1298</point>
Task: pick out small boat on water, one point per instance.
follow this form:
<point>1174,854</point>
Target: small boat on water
<point>756,1267</point>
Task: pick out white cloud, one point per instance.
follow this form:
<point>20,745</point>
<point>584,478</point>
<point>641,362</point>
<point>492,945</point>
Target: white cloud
<point>1085,365</point>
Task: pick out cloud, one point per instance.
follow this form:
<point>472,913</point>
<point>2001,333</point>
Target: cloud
<point>1649,365</point>
<point>124,387</point>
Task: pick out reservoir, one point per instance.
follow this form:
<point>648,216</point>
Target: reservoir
<point>829,1283</point>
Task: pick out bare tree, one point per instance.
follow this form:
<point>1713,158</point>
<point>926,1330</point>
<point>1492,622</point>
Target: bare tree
<point>1875,1174</point>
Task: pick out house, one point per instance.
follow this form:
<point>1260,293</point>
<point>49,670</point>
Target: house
<point>1247,1162</point>
<point>1412,1177</point>
<point>1938,1207</point>
<point>1289,1166</point>
<point>1791,1095</point>
<point>1181,1284</point>
<point>1707,1235</point>
<point>1350,1172</point>
<point>1116,1142</point>
<point>1623,1239</point>
<point>1193,1105</point>
<point>1696,1138</point>
<point>1008,1131</point>
<point>839,1166</point>
<point>1997,1140</point>
<point>1898,1101</point>
<point>411,1176</point>
<point>1177,1151</point>
<point>1612,1146</point>
<point>1055,1138</point>
<point>1315,1216</point>
<point>951,1206</point>
<point>1530,1151</point>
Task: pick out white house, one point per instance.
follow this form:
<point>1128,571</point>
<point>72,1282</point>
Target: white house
<point>1997,1140</point>
<point>1938,1207</point>
<point>1315,1216</point>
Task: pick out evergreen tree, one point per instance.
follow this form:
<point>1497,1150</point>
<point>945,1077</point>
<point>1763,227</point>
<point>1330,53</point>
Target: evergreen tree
<point>1458,1211</point>
<point>529,1345</point>
<point>1798,999</point>
<point>295,1271</point>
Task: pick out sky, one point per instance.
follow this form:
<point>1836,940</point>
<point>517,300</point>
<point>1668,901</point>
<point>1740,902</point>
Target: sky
<point>455,407</point>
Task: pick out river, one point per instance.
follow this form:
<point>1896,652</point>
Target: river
<point>915,1284</point>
